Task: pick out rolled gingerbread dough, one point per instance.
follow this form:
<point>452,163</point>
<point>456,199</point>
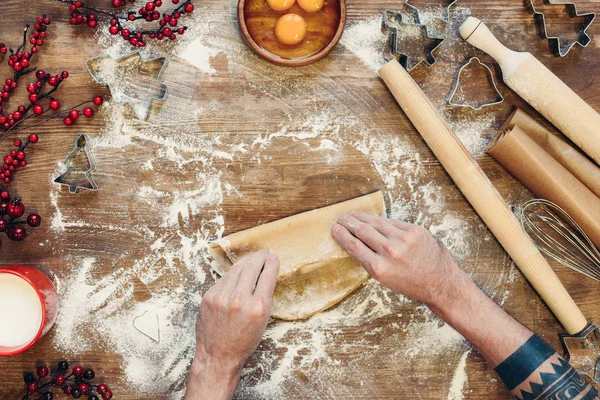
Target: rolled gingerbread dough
<point>316,272</point>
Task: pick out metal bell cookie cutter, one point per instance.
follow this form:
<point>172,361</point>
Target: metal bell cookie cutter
<point>392,23</point>
<point>452,102</point>
<point>80,166</point>
<point>138,91</point>
<point>562,46</point>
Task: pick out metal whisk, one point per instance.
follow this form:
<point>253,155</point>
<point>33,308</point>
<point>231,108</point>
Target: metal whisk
<point>558,236</point>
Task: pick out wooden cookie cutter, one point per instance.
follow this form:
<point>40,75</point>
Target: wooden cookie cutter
<point>499,98</point>
<point>79,177</point>
<point>392,23</point>
<point>561,46</point>
<point>140,101</point>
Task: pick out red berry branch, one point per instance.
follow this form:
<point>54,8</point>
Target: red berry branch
<point>77,383</point>
<point>167,27</point>
<point>41,90</point>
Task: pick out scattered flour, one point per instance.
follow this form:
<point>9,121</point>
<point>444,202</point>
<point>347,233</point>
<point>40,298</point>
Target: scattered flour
<point>459,380</point>
<point>365,40</point>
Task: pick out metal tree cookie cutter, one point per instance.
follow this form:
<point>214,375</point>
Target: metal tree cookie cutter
<point>562,46</point>
<point>80,166</point>
<point>131,79</point>
<point>446,10</point>
<point>392,24</point>
<point>451,97</point>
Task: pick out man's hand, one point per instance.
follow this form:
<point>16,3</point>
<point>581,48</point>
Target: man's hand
<point>233,318</point>
<point>403,257</point>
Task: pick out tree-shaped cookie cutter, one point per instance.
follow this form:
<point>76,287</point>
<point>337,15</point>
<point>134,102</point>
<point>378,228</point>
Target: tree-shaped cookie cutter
<point>561,46</point>
<point>139,100</point>
<point>451,97</point>
<point>392,24</point>
<point>76,177</point>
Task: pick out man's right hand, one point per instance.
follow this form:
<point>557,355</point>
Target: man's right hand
<point>403,257</point>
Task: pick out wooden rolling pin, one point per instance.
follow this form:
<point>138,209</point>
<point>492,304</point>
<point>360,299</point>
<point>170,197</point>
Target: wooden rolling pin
<point>538,86</point>
<point>482,194</point>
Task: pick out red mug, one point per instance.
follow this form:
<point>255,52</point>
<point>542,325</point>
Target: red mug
<point>28,308</point>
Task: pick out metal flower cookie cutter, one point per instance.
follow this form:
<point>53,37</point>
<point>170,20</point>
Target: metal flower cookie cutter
<point>560,45</point>
<point>132,79</point>
<point>451,99</point>
<point>400,33</point>
<point>80,166</point>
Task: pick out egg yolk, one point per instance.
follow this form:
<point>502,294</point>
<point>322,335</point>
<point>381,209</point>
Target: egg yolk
<point>290,29</point>
<point>281,5</point>
<point>311,5</point>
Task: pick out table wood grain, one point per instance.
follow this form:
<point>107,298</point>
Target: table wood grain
<point>288,180</point>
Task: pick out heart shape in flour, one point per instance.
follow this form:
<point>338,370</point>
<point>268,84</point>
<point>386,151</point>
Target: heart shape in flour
<point>148,324</point>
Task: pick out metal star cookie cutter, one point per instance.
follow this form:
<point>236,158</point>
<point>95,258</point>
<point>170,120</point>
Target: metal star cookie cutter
<point>79,170</point>
<point>392,24</point>
<point>446,9</point>
<point>499,98</point>
<point>139,90</point>
<point>561,46</point>
<point>583,351</point>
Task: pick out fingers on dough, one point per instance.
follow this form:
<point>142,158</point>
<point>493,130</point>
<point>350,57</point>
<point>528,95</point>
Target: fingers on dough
<point>382,225</point>
<point>268,278</point>
<point>364,232</point>
<point>353,246</point>
<point>252,265</point>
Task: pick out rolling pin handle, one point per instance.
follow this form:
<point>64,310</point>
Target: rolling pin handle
<point>476,33</point>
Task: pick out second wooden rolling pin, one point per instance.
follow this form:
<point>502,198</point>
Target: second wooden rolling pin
<point>538,86</point>
<point>482,194</point>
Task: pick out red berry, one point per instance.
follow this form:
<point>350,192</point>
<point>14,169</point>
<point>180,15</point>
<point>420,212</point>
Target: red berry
<point>35,220</point>
<point>52,81</point>
<point>23,163</point>
<point>17,115</point>
<point>64,74</point>
<point>20,155</point>
<point>7,180</point>
<point>84,388</point>
<point>88,112</point>
<point>37,109</point>
<point>42,371</point>
<point>8,160</point>
<point>33,138</point>
<point>32,387</point>
<point>59,380</point>
<point>167,31</point>
<point>31,88</point>
<point>25,63</point>
<point>113,30</point>
<point>107,395</point>
<point>68,121</point>
<point>78,371</point>
<point>54,105</point>
<point>98,101</point>
<point>17,143</point>
<point>33,97</point>
<point>74,114</point>
<point>3,225</point>
<point>16,209</point>
<point>125,32</point>
<point>4,195</point>
<point>67,389</point>
<point>17,234</point>
<point>92,23</point>
<point>189,8</point>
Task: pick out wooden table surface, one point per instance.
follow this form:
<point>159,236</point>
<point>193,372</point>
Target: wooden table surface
<point>257,132</point>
